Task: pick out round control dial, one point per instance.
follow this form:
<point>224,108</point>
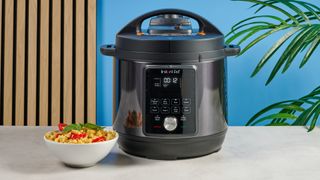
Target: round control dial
<point>170,123</point>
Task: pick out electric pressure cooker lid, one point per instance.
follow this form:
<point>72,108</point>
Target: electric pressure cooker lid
<point>169,38</point>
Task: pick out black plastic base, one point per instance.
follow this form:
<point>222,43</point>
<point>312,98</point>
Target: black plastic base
<point>171,149</point>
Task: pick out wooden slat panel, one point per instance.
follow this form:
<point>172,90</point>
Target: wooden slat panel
<point>91,61</point>
<point>80,12</point>
<point>20,62</point>
<point>67,84</point>
<point>44,63</point>
<point>8,55</point>
<point>34,49</point>
<point>56,54</point>
<point>32,62</point>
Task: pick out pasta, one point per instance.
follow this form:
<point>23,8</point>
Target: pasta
<point>82,135</point>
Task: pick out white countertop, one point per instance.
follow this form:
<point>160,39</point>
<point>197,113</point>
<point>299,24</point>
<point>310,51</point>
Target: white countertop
<point>255,153</point>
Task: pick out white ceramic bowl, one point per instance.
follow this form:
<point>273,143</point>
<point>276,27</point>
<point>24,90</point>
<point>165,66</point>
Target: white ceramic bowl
<point>81,155</point>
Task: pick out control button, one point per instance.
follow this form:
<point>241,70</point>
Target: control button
<point>183,118</point>
<point>157,118</point>
<point>165,101</point>
<point>165,110</point>
<point>175,110</point>
<point>175,101</point>
<point>170,123</point>
<point>186,110</point>
<point>186,101</point>
<point>154,101</point>
<point>156,127</point>
<point>154,109</point>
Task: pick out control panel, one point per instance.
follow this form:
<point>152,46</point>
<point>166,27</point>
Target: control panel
<point>170,100</point>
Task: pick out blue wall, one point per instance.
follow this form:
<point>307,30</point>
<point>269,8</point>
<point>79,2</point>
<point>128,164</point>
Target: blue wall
<point>245,95</point>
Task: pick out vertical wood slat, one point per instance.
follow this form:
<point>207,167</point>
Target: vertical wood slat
<point>32,63</point>
<point>67,91</point>
<point>8,62</point>
<point>44,62</point>
<point>91,61</point>
<point>79,63</point>
<point>20,62</point>
<point>56,55</point>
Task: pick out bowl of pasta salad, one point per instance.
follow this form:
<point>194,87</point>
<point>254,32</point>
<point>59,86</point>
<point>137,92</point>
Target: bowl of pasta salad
<point>80,145</point>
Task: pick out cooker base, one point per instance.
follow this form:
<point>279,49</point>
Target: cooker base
<point>171,149</point>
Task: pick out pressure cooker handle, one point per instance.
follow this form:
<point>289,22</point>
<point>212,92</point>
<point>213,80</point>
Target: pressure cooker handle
<point>109,50</point>
<point>135,26</point>
<point>232,50</point>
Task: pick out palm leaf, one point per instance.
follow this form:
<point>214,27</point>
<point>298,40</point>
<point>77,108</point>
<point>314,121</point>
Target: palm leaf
<point>302,42</point>
<point>274,49</point>
<point>239,34</point>
<point>248,35</point>
<point>271,107</point>
<point>300,112</point>
<point>296,9</point>
<point>279,105</point>
<point>278,124</point>
<point>261,6</point>
<point>310,7</point>
<point>235,28</point>
<point>310,15</point>
<point>307,114</point>
<point>290,3</point>
<point>306,3</point>
<point>290,50</point>
<point>271,5</point>
<point>263,36</point>
<point>314,120</point>
<point>296,103</point>
<point>273,116</point>
<point>243,23</point>
<point>308,54</point>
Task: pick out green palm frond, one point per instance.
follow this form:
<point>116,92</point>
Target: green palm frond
<point>292,112</point>
<point>303,32</point>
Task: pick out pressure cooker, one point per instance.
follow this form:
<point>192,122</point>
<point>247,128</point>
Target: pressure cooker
<point>171,85</point>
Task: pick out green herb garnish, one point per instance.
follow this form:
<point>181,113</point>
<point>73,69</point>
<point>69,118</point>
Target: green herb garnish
<point>72,127</point>
<point>80,126</point>
<point>92,126</point>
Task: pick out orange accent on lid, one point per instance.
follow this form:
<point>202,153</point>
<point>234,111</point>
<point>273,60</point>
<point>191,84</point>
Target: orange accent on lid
<point>202,33</point>
<point>140,33</point>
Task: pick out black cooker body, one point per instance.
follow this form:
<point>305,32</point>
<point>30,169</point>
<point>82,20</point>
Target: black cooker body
<point>172,86</point>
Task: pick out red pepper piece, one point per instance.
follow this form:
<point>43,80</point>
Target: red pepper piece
<point>99,139</point>
<point>57,135</point>
<point>73,136</point>
<point>83,135</point>
<point>77,136</point>
<point>61,126</point>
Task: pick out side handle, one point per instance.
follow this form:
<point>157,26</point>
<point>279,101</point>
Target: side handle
<point>232,50</point>
<point>108,50</point>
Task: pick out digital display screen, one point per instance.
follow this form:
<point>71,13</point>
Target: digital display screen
<point>168,78</point>
<point>165,82</point>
